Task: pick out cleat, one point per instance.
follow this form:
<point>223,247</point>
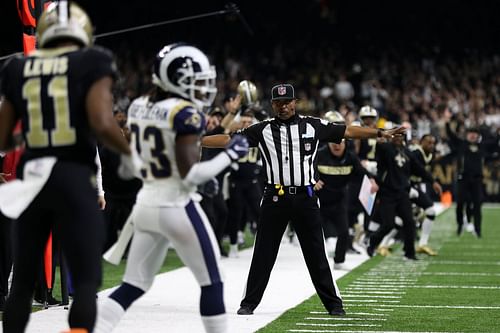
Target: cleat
<point>410,258</point>
<point>245,311</point>
<point>383,251</point>
<point>337,312</point>
<point>426,250</point>
<point>339,266</point>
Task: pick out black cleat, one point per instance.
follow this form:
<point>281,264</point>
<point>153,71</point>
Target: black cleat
<point>370,251</point>
<point>245,311</point>
<point>410,258</point>
<point>337,312</point>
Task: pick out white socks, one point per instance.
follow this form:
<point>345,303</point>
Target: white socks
<point>109,314</point>
<point>215,324</point>
<point>426,232</point>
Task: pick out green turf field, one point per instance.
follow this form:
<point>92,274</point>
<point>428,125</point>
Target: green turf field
<point>456,291</point>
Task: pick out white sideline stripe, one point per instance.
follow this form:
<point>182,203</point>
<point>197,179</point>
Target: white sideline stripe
<point>339,325</point>
<point>344,318</point>
<point>352,313</point>
<point>337,331</point>
<point>381,309</point>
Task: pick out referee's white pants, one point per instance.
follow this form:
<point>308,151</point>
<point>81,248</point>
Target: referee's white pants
<point>187,229</point>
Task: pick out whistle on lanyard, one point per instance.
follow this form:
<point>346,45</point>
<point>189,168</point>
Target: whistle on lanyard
<point>280,189</point>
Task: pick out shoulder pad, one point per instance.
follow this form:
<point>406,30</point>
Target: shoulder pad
<point>188,120</point>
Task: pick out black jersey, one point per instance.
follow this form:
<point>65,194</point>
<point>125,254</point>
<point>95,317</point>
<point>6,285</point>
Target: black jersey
<point>470,156</point>
<point>336,172</point>
<point>395,165</point>
<point>424,159</point>
<point>248,166</point>
<point>367,149</point>
<point>48,89</point>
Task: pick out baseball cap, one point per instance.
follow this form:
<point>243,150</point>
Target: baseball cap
<point>282,91</point>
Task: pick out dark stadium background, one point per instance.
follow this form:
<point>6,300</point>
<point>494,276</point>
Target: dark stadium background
<point>453,24</point>
<point>301,41</point>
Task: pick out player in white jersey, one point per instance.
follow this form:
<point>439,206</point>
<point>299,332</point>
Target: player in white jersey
<point>166,129</point>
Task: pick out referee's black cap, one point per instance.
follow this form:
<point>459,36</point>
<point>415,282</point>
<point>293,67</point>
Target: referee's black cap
<point>282,91</point>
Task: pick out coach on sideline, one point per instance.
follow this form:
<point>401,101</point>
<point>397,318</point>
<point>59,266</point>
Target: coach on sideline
<point>288,145</point>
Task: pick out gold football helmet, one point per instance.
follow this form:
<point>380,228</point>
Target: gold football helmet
<point>334,117</point>
<point>64,20</point>
<point>248,92</point>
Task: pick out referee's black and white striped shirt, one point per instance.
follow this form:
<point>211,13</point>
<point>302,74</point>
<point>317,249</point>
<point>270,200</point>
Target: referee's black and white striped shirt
<point>289,148</point>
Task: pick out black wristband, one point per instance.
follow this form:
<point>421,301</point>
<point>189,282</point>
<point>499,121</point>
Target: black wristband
<point>379,132</point>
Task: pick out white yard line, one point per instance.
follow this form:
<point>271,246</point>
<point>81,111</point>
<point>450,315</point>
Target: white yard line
<point>344,296</point>
<point>469,307</point>
<point>351,313</point>
<point>377,292</point>
<point>459,262</point>
<point>330,318</point>
<point>371,331</point>
<point>338,325</point>
<point>460,274</point>
<point>454,287</point>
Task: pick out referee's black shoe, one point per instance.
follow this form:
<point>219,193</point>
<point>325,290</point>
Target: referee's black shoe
<point>245,311</point>
<point>337,312</point>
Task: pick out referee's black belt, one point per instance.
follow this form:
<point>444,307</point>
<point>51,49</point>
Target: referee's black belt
<point>287,189</point>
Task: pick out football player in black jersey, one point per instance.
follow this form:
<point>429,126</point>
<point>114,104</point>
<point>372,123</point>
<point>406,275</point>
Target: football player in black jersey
<point>244,189</point>
<point>424,153</point>
<point>395,164</point>
<point>337,167</point>
<point>62,95</point>
<point>470,156</point>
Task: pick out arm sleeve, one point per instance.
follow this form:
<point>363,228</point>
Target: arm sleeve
<point>418,169</point>
<point>252,133</point>
<point>330,132</point>
<point>201,172</point>
<point>454,139</point>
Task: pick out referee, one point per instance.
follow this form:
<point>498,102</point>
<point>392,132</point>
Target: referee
<point>288,145</point>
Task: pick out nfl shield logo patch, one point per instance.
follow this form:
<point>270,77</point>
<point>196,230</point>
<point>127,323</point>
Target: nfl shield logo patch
<point>307,146</point>
<point>281,90</point>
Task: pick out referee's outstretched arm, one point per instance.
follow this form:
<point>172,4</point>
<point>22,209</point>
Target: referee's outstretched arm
<point>358,132</point>
<point>215,141</point>
<point>351,132</point>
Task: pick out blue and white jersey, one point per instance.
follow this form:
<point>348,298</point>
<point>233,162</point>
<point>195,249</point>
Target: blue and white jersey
<point>154,128</point>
